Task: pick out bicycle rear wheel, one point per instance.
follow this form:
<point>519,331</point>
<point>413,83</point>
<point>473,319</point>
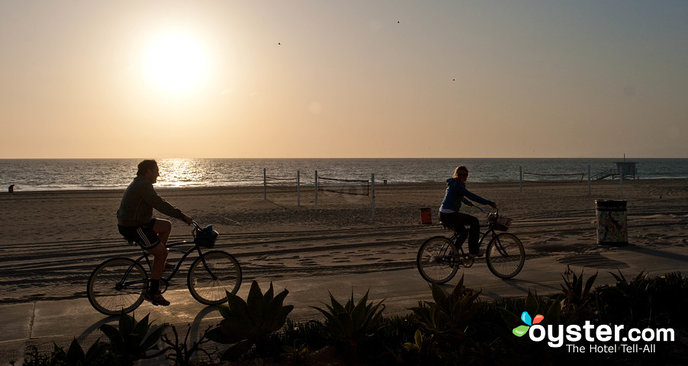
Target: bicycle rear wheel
<point>437,260</point>
<point>212,275</point>
<point>505,255</point>
<point>117,285</point>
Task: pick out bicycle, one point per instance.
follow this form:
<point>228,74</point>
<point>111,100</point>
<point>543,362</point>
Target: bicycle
<point>118,284</point>
<point>439,258</point>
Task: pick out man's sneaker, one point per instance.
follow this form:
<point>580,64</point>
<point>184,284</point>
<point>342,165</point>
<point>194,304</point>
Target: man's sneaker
<point>155,298</point>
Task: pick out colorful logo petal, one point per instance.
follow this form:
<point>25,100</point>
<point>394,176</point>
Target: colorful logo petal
<point>538,318</point>
<point>521,330</point>
<point>525,317</point>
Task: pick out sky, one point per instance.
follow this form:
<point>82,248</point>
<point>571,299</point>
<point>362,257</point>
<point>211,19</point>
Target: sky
<point>343,79</point>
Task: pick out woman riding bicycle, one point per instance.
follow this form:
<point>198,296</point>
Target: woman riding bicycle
<point>455,194</point>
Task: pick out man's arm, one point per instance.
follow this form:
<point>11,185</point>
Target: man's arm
<point>158,203</point>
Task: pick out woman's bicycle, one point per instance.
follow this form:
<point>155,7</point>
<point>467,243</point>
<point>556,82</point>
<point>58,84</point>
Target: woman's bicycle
<point>118,284</point>
<point>439,258</point>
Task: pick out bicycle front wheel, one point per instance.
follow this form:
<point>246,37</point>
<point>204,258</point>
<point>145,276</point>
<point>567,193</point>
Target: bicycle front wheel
<point>437,260</point>
<point>505,255</point>
<point>116,286</point>
<point>212,275</point>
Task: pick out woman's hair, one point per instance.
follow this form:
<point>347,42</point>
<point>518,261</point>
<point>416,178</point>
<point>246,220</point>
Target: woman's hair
<point>145,165</point>
<point>459,168</point>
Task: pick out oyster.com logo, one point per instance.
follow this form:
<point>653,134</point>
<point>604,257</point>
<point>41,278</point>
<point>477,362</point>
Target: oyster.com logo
<point>522,330</point>
<point>603,338</point>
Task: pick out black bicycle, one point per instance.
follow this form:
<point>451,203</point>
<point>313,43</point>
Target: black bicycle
<point>118,284</point>
<point>439,258</point>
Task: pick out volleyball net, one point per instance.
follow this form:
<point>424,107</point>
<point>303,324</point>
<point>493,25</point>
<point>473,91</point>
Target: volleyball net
<point>281,184</point>
<point>552,177</point>
<point>353,187</point>
<point>342,186</point>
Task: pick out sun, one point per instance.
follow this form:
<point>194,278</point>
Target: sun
<point>175,62</point>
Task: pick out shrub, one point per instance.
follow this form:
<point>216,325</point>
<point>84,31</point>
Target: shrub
<point>447,324</point>
<point>182,351</point>
<point>351,322</point>
<point>133,340</point>
<point>249,323</point>
<point>97,354</point>
<point>577,303</point>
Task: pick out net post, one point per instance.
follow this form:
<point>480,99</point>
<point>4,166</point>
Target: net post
<point>589,191</point>
<point>298,188</point>
<point>316,189</point>
<point>372,195</point>
<point>621,179</point>
<point>265,184</point>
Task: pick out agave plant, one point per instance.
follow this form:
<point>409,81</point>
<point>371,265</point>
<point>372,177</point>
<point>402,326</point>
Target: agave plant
<point>539,305</point>
<point>248,323</point>
<point>133,340</point>
<point>97,354</point>
<point>450,314</point>
<point>576,303</point>
<point>352,322</point>
<point>182,351</point>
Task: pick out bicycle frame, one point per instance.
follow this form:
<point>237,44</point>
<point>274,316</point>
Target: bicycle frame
<point>454,239</point>
<point>171,248</point>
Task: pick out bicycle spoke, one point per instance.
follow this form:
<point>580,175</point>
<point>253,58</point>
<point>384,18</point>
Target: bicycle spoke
<point>116,285</point>
<point>437,260</point>
<point>505,255</point>
<point>212,276</point>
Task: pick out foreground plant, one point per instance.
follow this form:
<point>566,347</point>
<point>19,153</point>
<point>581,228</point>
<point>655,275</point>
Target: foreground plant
<point>248,323</point>
<point>97,354</point>
<point>353,321</point>
<point>577,302</point>
<point>134,340</point>
<point>183,351</point>
<point>446,325</point>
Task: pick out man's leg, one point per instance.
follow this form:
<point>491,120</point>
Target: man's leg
<point>159,257</point>
<point>473,231</point>
<point>162,228</point>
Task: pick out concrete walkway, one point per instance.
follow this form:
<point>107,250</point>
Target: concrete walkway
<point>42,322</point>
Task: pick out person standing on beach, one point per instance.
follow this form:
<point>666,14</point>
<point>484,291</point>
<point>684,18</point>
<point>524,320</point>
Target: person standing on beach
<point>136,223</point>
<point>455,194</point>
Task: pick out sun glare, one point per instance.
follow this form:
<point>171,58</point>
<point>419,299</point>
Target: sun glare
<point>176,63</point>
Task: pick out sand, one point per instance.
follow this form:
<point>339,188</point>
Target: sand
<point>51,241</point>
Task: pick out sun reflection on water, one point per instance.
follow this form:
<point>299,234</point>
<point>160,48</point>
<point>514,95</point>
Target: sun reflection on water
<point>179,173</point>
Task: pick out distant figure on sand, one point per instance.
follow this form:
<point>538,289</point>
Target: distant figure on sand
<point>136,223</point>
<point>10,189</point>
<point>455,194</point>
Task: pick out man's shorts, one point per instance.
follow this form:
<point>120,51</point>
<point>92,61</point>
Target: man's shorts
<point>142,235</point>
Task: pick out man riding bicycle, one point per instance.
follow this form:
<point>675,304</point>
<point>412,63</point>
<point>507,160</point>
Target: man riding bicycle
<point>136,223</point>
<point>455,194</point>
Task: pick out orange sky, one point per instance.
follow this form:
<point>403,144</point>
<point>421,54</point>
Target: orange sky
<point>88,79</point>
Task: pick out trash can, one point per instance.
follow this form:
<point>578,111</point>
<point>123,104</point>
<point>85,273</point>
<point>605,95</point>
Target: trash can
<point>425,216</point>
<point>611,222</point>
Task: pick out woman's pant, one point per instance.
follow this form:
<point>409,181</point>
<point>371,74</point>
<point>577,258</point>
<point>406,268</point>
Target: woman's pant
<point>458,221</point>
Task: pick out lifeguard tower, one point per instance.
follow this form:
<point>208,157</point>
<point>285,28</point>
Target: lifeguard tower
<point>626,169</point>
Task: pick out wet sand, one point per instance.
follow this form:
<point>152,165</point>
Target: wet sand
<point>51,241</point>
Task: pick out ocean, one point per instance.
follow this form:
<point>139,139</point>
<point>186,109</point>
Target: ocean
<point>77,174</point>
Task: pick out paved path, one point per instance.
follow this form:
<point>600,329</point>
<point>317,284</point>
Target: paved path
<point>42,322</point>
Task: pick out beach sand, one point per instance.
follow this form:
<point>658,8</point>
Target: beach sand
<point>51,241</point>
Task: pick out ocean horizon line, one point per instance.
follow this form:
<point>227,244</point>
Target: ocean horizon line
<point>347,158</point>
